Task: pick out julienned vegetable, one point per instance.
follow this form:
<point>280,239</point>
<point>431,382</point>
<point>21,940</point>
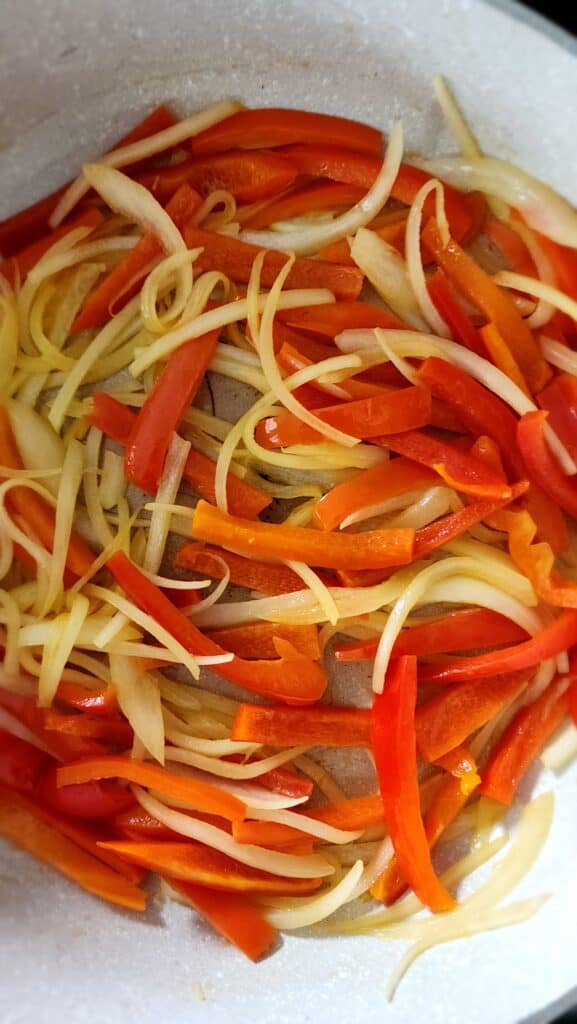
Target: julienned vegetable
<point>412,493</point>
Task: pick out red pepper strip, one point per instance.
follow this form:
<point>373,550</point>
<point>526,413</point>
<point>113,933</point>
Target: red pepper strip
<point>511,245</point>
<point>139,825</point>
<point>458,469</point>
<point>86,800</point>
<point>542,465</point>
<point>485,449</point>
<point>100,700</point>
<point>446,805</point>
<point>278,542</point>
<point>573,701</point>
<point>559,398</point>
<point>555,638</point>
<point>446,721</point>
<point>200,795</point>
<point>494,303</point>
<point>27,225</point>
<point>270,126</point>
<point>310,198</point>
<point>500,354</point>
<point>290,360</point>
<point>369,487</point>
<point>115,420</point>
<point>394,745</point>
<point>235,259</point>
<point>392,412</point>
<point>537,562</point>
<point>324,726</point>
<point>173,392</point>
<point>194,862</point>
<point>463,630</point>
<point>23,826</point>
<point>332,318</point>
<point>125,280</point>
<point>113,731</point>
<point>21,764</point>
<point>244,572</point>
<point>551,523</point>
<point>361,170</point>
<point>436,534</point>
<point>523,741</point>
<point>287,782</point>
<point>564,262</point>
<point>447,304</point>
<point>250,177</point>
<point>256,639</point>
<point>18,266</point>
<point>61,746</point>
<point>290,677</point>
<point>33,510</point>
<point>353,815</point>
<point>232,916</point>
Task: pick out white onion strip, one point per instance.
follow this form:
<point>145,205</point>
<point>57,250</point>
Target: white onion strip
<point>306,912</point>
<point>229,769</point>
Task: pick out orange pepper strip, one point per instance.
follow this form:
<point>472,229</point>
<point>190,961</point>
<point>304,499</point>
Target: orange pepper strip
<point>323,726</point>
<point>250,177</point>
<point>33,510</point>
<point>501,355</point>
<point>17,266</point>
<point>511,245</point>
<point>245,572</point>
<point>126,278</point>
<point>447,304</point>
<point>354,815</point>
<point>278,542</point>
<point>270,126</point>
<point>392,412</point>
<point>523,741</point>
<point>494,303</point>
<point>291,677</point>
<point>200,795</point>
<point>235,258</point>
<point>394,745</point>
<point>299,201</point>
<point>194,862</point>
<point>369,487</point>
<point>332,318</point>
<point>537,561</point>
<point>541,464</point>
<point>256,639</point>
<point>23,827</point>
<point>429,538</point>
<point>233,916</point>
<point>444,722</point>
<point>110,730</point>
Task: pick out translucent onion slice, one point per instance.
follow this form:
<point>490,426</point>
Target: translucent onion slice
<point>388,274</point>
<point>284,864</point>
<point>139,699</point>
<point>253,796</point>
<point>229,769</point>
<point>168,488</point>
<point>414,256</point>
<point>311,239</point>
<point>63,638</point>
<point>306,912</point>
<point>39,445</point>
<point>468,591</point>
<point>137,151</point>
<point>328,833</point>
<point>540,289</point>
<point>318,588</point>
<point>70,480</point>
<point>559,355</point>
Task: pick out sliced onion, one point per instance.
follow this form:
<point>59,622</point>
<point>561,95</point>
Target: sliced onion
<point>306,912</point>
<point>388,274</point>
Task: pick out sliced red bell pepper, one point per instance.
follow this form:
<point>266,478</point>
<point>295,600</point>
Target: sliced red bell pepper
<point>537,562</point>
<point>458,469</point>
<point>445,721</point>
<point>115,731</point>
<point>354,815</point>
<point>559,398</point>
<point>21,764</point>
<point>286,781</point>
<point>405,409</point>
<point>463,630</point>
<point>163,409</point>
<point>394,745</point>
<point>115,420</point>
<point>235,259</point>
<point>564,262</point>
<point>484,448</point>
<point>249,177</point>
<point>20,263</point>
<point>271,126</point>
<point>115,290</point>
<point>369,487</point>
<point>232,916</point>
<point>139,825</point>
<point>98,700</point>
<point>200,795</point>
<point>573,701</point>
<point>34,510</point>
<point>493,302</point>
<point>447,304</point>
<point>558,637</point>
<point>245,572</point>
<point>91,799</point>
<point>27,225</point>
<point>511,245</point>
<point>25,828</point>
<point>291,360</point>
<point>256,639</point>
<point>278,542</point>
<point>435,535</point>
<point>541,465</point>
<point>523,741</point>
<point>330,319</point>
<point>62,747</point>
<point>324,726</point>
<point>300,201</point>
<point>290,677</point>
<point>194,862</point>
